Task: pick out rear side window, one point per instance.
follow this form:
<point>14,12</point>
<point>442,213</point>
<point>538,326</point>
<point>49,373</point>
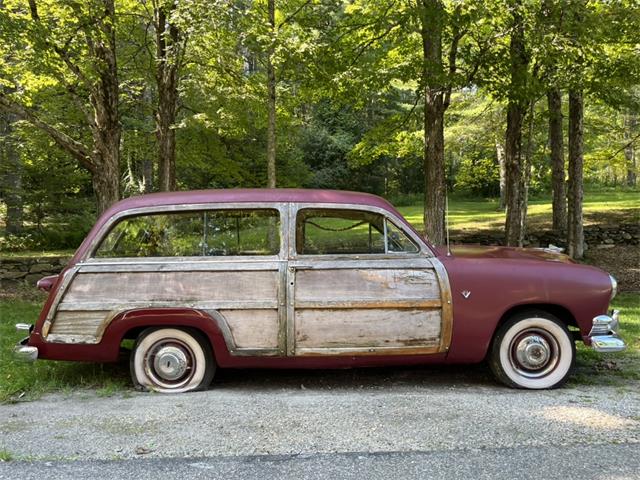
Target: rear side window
<point>335,231</point>
<point>194,234</point>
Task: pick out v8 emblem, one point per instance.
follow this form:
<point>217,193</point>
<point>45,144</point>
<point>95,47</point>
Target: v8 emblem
<point>465,293</point>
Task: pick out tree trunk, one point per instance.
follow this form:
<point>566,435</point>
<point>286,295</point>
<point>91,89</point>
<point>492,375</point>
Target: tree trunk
<point>12,169</point>
<point>106,185</point>
<point>503,172</point>
<point>106,129</point>
<point>271,101</point>
<point>434,107</point>
<point>631,121</point>
<point>514,193</point>
<point>559,203</point>
<point>169,50</point>
<point>525,179</point>
<point>575,234</point>
<point>515,173</point>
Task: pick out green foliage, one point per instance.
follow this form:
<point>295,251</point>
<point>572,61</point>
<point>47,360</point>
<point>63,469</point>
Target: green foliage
<point>350,88</point>
<point>480,178</point>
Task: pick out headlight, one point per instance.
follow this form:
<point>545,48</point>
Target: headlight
<point>614,287</point>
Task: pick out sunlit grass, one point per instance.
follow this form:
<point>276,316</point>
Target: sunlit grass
<point>22,381</point>
<point>484,214</point>
<point>38,253</point>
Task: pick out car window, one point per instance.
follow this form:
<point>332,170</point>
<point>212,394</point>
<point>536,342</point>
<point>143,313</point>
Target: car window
<point>397,240</point>
<point>336,231</point>
<point>199,233</point>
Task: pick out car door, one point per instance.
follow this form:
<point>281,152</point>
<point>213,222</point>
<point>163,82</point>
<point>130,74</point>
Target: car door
<point>358,284</point>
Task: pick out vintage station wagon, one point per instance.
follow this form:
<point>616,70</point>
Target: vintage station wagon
<point>310,279</point>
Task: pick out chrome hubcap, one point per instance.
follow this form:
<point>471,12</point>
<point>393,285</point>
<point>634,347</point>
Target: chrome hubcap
<point>534,353</point>
<point>170,362</point>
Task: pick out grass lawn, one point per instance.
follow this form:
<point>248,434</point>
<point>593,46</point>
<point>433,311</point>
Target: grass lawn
<point>23,381</point>
<point>484,214</point>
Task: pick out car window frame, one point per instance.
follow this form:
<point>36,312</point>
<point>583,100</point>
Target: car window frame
<point>105,230</point>
<point>421,249</point>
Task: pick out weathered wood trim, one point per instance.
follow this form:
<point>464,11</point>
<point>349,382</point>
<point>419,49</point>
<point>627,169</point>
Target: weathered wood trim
<point>179,264</point>
<point>223,325</point>
<point>132,305</point>
<point>72,339</point>
<point>447,305</point>
<point>368,304</point>
<point>377,261</point>
<point>68,275</point>
<point>291,318</point>
<point>359,351</point>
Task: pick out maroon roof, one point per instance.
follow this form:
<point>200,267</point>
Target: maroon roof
<point>240,195</point>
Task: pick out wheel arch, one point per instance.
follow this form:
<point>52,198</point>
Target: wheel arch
<point>561,313</point>
<point>130,324</point>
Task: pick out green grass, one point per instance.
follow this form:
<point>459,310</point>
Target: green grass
<point>37,254</point>
<point>5,456</point>
<point>484,214</point>
<point>25,381</point>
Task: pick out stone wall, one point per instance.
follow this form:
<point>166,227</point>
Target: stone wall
<point>28,269</point>
<point>596,236</point>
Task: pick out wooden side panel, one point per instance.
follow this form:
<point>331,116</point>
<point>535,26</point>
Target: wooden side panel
<point>249,301</point>
<point>253,328</point>
<point>80,323</point>
<point>208,286</point>
<point>319,328</point>
<point>345,285</point>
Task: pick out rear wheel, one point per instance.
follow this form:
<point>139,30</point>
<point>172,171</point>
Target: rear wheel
<point>532,350</point>
<point>171,360</point>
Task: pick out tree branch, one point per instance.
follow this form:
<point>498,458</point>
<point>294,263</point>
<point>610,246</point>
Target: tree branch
<point>293,15</point>
<point>79,151</point>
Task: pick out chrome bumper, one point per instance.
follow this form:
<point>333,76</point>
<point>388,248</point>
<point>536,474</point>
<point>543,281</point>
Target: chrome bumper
<point>604,334</point>
<point>22,351</point>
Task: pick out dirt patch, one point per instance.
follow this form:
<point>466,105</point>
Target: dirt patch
<point>623,262</point>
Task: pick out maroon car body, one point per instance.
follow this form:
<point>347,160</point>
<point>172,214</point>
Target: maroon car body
<point>410,303</point>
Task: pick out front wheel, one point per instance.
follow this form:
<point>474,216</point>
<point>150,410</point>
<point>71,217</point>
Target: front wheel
<point>171,360</point>
<point>532,350</point>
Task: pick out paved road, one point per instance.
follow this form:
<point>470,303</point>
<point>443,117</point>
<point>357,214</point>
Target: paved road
<point>574,462</point>
<point>402,423</point>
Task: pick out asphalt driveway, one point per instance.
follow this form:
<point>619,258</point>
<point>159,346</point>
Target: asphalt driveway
<point>407,422</point>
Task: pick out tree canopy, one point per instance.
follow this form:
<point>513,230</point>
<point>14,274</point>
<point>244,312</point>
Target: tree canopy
<point>101,99</point>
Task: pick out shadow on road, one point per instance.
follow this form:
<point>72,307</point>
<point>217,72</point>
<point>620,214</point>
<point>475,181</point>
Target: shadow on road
<point>361,378</point>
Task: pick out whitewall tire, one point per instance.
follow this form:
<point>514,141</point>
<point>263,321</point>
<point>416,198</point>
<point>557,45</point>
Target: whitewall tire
<point>171,360</point>
<point>532,350</point>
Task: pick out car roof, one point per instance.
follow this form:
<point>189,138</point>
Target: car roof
<point>250,195</point>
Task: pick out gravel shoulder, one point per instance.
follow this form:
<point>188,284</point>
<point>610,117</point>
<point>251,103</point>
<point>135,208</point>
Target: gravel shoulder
<point>249,413</point>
